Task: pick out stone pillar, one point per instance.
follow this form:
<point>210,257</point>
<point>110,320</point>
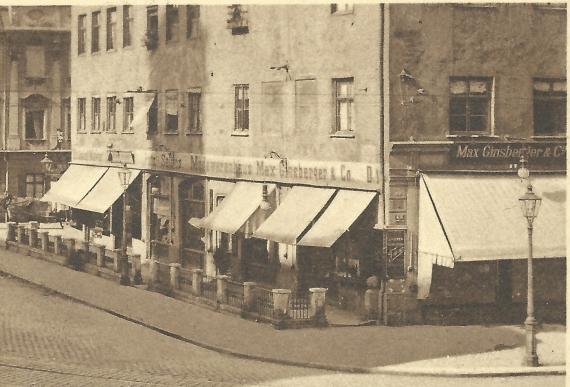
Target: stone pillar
<point>137,269</point>
<point>57,244</point>
<point>317,298</point>
<point>33,239</point>
<point>371,303</point>
<point>197,276</point>
<point>14,105</point>
<point>100,250</point>
<point>248,295</point>
<point>117,260</point>
<point>154,271</point>
<point>11,233</point>
<point>21,233</point>
<point>280,305</point>
<point>221,285</point>
<point>70,243</point>
<point>175,275</point>
<point>44,238</point>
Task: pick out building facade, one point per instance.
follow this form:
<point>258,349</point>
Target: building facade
<point>35,118</point>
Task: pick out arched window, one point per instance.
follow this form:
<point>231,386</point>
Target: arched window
<point>35,115</point>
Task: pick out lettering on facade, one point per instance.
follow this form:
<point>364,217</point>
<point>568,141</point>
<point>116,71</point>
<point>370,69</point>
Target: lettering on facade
<point>496,152</point>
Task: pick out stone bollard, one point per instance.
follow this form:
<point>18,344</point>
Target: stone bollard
<point>174,275</point>
<point>21,232</point>
<point>70,243</point>
<point>153,271</point>
<point>11,232</point>
<point>100,251</point>
<point>317,299</point>
<point>116,253</point>
<point>221,285</point>
<point>44,238</point>
<point>248,295</point>
<point>280,306</point>
<point>57,242</point>
<point>197,277</point>
<point>371,303</point>
<point>137,269</point>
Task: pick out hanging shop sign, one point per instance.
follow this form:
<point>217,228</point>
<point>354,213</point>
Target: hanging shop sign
<point>495,152</point>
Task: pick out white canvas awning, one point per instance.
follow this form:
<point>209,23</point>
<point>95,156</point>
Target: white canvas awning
<point>74,184</point>
<point>106,192</point>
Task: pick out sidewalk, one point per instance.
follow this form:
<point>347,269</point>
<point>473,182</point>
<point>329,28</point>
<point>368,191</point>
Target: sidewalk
<point>423,350</point>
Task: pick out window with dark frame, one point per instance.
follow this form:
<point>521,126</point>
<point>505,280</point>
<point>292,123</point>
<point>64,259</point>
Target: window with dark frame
<point>344,101</point>
<point>194,124</point>
<point>193,198</point>
<point>127,25</point>
<point>152,117</point>
<point>95,30</point>
<point>241,110</point>
<point>470,104</point>
<point>172,23</point>
<point>128,113</point>
<point>81,115</point>
<point>34,185</point>
<point>171,111</point>
<point>34,122</point>
<point>81,33</point>
<point>192,20</point>
<point>111,28</point>
<point>95,114</point>
<point>549,107</point>
<point>111,113</point>
<point>66,117</point>
<point>237,19</point>
<point>152,27</point>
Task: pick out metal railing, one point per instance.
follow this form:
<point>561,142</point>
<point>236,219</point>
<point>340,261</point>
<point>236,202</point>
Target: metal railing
<point>209,288</point>
<point>263,304</point>
<point>299,306</point>
<point>163,273</point>
<point>185,280</point>
<point>234,294</point>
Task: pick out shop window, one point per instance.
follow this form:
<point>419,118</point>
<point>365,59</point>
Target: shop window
<point>193,206</point>
<point>256,250</point>
<point>95,31</point>
<point>81,114</point>
<point>34,185</point>
<point>192,20</point>
<point>66,117</point>
<point>470,105</point>
<point>95,114</point>
<point>171,111</point>
<point>81,33</point>
<point>151,38</point>
<point>344,101</point>
<point>127,25</point>
<point>172,22</point>
<point>342,8</point>
<point>549,107</point>
<point>237,19</point>
<point>128,113</point>
<point>111,28</point>
<point>347,265</point>
<point>35,117</point>
<point>111,113</point>
<point>194,101</point>
<point>241,108</point>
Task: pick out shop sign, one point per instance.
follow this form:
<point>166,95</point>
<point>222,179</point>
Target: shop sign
<point>509,152</point>
<point>394,253</point>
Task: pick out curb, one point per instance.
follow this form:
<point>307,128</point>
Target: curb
<point>385,370</point>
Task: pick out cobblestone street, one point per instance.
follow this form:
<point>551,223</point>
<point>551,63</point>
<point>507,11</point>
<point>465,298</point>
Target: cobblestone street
<point>48,340</point>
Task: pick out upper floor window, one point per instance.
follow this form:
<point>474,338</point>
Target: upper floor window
<point>95,31</point>
<point>344,101</point>
<point>95,114</point>
<point>192,20</point>
<point>111,113</point>
<point>111,28</point>
<point>34,185</point>
<point>128,113</point>
<point>549,107</point>
<point>172,22</point>
<point>81,114</point>
<point>152,116</point>
<point>470,104</point>
<point>171,111</point>
<point>81,33</point>
<point>194,125</point>
<point>342,8</point>
<point>151,38</point>
<point>127,25</point>
<point>241,108</point>
<point>237,19</point>
<point>66,117</point>
<point>35,116</point>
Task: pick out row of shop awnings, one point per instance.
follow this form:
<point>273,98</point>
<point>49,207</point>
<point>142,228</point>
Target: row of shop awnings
<point>307,216</point>
<point>468,218</point>
<point>88,188</point>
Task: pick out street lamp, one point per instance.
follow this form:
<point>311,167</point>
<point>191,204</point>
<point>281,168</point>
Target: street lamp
<point>47,165</point>
<point>530,205</point>
<point>124,178</point>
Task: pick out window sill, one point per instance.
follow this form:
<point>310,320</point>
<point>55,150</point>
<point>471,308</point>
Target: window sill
<point>476,5</point>
<point>171,133</point>
<point>551,137</point>
<point>193,133</point>
<point>111,50</point>
<point>82,132</point>
<point>342,13</point>
<point>472,135</point>
<point>343,134</point>
<point>128,132</point>
<point>36,139</point>
<point>242,133</point>
<point>95,132</point>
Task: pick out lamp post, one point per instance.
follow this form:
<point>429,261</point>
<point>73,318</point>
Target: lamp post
<point>125,178</point>
<point>47,165</point>
<point>530,205</point>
